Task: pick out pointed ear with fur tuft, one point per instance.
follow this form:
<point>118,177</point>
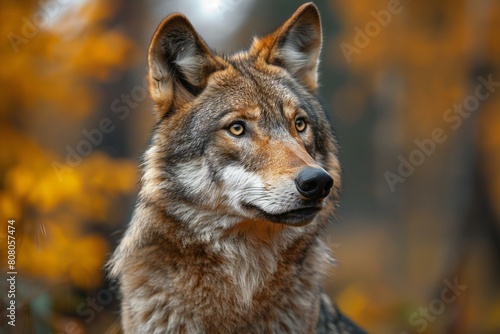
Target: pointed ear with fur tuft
<point>296,45</point>
<point>179,63</point>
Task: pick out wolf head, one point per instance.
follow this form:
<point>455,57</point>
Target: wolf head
<point>240,136</point>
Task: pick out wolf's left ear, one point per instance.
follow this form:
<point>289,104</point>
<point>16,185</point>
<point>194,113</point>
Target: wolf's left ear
<point>296,45</point>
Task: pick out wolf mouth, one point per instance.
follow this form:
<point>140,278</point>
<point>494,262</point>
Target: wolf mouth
<point>295,217</point>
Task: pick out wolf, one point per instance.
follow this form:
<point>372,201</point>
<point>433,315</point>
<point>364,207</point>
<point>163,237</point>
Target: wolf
<point>239,180</point>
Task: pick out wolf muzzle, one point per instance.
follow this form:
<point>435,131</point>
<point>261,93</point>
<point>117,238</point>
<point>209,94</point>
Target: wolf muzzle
<point>313,183</point>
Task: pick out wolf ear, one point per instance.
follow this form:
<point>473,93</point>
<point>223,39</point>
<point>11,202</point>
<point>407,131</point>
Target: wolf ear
<point>179,63</point>
<point>296,45</point>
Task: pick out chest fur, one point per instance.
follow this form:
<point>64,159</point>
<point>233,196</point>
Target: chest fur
<point>234,287</point>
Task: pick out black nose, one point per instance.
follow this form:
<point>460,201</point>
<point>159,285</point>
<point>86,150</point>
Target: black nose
<point>313,183</point>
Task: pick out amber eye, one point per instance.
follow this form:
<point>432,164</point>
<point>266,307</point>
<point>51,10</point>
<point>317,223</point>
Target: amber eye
<point>300,125</point>
<point>237,129</point>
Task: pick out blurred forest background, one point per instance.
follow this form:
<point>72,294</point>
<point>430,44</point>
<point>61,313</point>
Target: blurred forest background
<point>406,86</point>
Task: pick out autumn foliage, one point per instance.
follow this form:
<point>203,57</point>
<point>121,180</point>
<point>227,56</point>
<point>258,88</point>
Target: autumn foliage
<point>51,71</point>
<point>386,91</point>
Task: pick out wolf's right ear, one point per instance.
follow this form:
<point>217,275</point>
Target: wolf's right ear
<point>179,63</point>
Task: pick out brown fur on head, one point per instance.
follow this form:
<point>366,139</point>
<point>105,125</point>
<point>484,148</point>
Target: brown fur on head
<point>192,87</point>
<point>223,205</point>
<point>180,62</point>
